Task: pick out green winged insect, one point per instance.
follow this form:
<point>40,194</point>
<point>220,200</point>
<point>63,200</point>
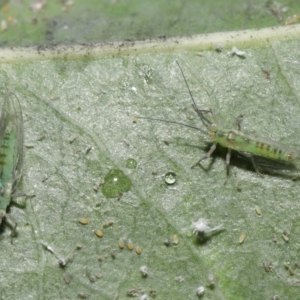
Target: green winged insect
<point>263,154</point>
<point>11,152</point>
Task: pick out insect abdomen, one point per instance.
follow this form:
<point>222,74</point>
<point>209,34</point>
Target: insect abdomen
<point>238,141</point>
<point>7,146</point>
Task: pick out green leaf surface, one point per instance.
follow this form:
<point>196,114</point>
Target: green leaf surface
<point>79,125</point>
<point>41,22</point>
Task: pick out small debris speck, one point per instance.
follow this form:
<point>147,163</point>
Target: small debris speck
<point>144,271</point>
<point>202,231</point>
<point>179,278</point>
<point>237,52</point>
<point>200,291</point>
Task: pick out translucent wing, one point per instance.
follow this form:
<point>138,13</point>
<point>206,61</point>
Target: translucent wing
<point>11,142</point>
<point>272,164</point>
<point>268,164</point>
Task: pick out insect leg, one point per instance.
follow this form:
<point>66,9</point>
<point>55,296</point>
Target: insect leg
<point>213,116</point>
<point>208,154</point>
<point>228,156</point>
<point>255,166</point>
<point>230,137</point>
<point>236,126</point>
<point>12,220</point>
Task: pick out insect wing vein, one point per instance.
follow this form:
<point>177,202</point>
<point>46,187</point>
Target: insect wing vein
<point>11,140</point>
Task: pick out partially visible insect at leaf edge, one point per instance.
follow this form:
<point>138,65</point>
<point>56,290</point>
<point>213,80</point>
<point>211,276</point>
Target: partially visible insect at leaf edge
<point>11,153</point>
<point>264,154</point>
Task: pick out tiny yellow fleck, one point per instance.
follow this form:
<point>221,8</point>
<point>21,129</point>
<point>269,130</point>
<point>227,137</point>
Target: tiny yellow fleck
<point>5,8</point>
<point>285,237</point>
<point>175,239</point>
<point>121,243</point>
<point>292,19</point>
<point>99,233</point>
<point>258,210</point>
<point>83,221</point>
<point>130,245</point>
<point>138,250</point>
<point>242,238</point>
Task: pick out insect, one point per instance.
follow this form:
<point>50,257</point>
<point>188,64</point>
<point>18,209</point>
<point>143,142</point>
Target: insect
<point>263,154</point>
<point>11,153</point>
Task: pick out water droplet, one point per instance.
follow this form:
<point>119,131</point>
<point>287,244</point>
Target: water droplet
<point>131,163</point>
<point>170,178</point>
<point>116,182</point>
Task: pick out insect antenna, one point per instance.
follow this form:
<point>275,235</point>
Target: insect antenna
<point>205,121</point>
<point>173,122</point>
<point>199,112</point>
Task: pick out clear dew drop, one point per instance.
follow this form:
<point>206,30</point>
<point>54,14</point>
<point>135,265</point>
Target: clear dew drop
<point>131,163</point>
<point>170,178</point>
<point>115,183</point>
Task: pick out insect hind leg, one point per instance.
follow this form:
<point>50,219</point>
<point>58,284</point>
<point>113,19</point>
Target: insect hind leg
<point>255,167</point>
<point>12,220</point>
<point>228,156</point>
<point>208,155</point>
